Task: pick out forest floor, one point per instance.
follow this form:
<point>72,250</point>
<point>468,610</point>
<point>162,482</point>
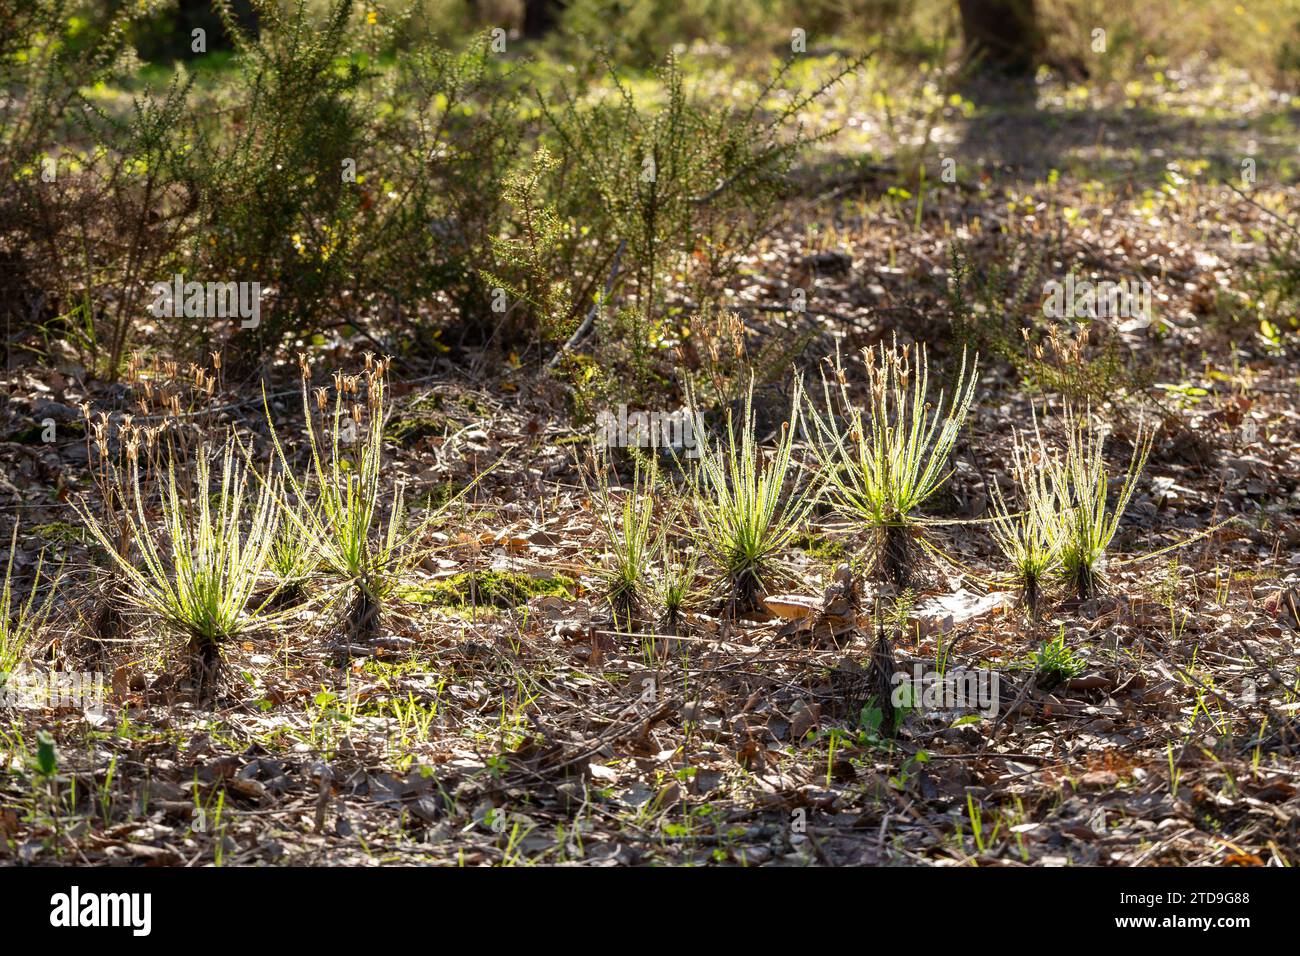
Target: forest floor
<point>502,719</point>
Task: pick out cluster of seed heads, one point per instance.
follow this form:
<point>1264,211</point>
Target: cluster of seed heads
<point>352,388</point>
<point>129,435</point>
<point>161,383</point>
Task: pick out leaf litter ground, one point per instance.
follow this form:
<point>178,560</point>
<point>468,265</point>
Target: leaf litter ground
<point>501,720</point>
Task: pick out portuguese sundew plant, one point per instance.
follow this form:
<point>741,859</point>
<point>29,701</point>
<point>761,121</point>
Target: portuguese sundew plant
<point>630,521</point>
<point>884,459</point>
<point>21,622</point>
<point>1094,515</point>
<point>1033,535</point>
<point>746,515</point>
<point>199,572</point>
<point>357,537</point>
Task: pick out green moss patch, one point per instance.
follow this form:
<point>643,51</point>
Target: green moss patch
<point>503,589</point>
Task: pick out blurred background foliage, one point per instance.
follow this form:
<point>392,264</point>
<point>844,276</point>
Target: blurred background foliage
<point>390,169</point>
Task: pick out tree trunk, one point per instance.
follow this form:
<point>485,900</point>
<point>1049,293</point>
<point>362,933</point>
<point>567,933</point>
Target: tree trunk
<point>1001,35</point>
<point>540,16</point>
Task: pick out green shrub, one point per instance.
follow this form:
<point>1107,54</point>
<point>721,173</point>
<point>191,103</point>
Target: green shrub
<point>444,149</point>
<point>680,184</point>
<point>74,231</point>
<point>269,166</point>
<point>350,189</point>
